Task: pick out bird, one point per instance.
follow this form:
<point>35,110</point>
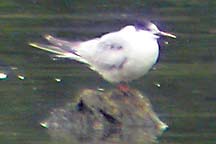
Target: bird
<point>119,56</point>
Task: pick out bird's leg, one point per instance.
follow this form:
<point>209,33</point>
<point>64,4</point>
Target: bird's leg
<point>123,87</point>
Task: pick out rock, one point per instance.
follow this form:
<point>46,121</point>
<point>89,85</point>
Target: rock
<point>105,118</point>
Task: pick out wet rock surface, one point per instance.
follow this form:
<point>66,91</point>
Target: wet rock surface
<point>105,117</point>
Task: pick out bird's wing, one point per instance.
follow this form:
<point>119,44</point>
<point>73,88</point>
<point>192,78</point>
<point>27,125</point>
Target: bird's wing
<point>111,52</point>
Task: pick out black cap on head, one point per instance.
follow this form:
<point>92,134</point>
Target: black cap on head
<point>143,24</point>
<point>149,26</point>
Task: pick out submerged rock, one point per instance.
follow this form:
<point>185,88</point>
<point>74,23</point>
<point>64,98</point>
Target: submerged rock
<point>105,118</point>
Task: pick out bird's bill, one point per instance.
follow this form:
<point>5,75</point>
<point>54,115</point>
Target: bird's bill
<point>167,34</point>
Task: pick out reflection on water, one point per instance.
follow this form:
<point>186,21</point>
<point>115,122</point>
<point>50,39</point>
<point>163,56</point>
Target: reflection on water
<point>11,72</point>
<point>5,70</point>
<point>105,118</point>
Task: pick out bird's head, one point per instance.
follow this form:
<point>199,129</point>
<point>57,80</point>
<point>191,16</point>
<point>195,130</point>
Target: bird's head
<point>149,26</point>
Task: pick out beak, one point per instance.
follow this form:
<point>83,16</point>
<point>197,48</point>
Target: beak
<point>166,34</point>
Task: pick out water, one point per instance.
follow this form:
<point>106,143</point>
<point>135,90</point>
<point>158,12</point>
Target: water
<point>181,87</point>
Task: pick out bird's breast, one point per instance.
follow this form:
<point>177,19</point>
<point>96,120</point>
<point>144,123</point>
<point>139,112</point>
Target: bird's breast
<point>141,58</point>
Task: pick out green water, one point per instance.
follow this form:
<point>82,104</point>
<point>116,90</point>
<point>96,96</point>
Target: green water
<point>186,69</point>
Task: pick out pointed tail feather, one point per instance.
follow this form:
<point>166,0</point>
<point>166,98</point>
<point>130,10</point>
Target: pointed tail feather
<point>49,48</point>
<point>66,45</point>
<point>58,51</point>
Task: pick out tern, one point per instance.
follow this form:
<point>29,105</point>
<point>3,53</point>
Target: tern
<point>119,57</point>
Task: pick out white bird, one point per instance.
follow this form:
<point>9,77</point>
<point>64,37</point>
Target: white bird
<point>120,56</point>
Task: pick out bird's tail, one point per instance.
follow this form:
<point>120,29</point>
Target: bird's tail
<point>61,48</point>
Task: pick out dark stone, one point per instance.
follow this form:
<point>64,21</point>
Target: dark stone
<point>105,118</point>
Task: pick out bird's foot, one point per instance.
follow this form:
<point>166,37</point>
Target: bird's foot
<point>123,88</point>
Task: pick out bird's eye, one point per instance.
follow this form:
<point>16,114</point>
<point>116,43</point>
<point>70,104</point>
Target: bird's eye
<point>153,28</point>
